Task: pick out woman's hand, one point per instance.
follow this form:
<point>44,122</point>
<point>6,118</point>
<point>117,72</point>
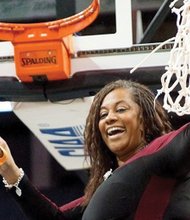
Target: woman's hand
<point>8,169</point>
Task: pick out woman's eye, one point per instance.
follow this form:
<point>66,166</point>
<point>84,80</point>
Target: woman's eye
<point>121,110</point>
<point>103,115</point>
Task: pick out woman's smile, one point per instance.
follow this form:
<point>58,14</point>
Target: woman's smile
<point>115,131</point>
<point>120,123</point>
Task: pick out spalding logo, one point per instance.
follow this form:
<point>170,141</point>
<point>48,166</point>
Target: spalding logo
<point>39,60</point>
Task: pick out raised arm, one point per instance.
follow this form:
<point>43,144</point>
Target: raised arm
<point>33,203</point>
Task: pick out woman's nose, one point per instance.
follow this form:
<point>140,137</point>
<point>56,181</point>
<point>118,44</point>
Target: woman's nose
<point>111,117</point>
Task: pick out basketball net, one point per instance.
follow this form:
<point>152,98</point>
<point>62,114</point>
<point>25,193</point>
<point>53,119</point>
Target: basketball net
<point>175,81</point>
<point>177,75</point>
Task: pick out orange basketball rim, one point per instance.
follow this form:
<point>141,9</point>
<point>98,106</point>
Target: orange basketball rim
<point>42,51</point>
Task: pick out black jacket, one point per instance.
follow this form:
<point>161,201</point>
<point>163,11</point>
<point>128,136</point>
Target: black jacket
<point>152,185</point>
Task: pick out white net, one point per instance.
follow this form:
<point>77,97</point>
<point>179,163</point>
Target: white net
<point>177,75</point>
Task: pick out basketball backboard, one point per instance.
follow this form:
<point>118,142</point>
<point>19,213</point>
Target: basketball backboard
<point>103,34</point>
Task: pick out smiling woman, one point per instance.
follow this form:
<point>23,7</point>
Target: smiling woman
<point>127,133</point>
<point>121,121</point>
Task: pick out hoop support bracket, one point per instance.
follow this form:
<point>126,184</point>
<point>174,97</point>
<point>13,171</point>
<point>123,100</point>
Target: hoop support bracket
<point>44,50</point>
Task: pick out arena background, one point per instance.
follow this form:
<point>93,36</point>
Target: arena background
<point>55,182</point>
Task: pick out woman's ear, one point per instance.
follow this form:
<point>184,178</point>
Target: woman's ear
<point>142,127</point>
<point>141,123</point>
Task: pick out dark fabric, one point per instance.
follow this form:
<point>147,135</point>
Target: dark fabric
<point>179,207</point>
<point>155,198</point>
<point>118,197</point>
<point>38,207</point>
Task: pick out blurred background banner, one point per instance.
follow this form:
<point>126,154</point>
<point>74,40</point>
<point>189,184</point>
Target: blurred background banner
<point>59,127</point>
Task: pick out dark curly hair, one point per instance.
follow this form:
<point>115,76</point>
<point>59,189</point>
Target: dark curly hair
<point>155,121</point>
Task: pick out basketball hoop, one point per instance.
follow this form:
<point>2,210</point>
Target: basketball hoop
<point>42,51</point>
<point>177,75</point>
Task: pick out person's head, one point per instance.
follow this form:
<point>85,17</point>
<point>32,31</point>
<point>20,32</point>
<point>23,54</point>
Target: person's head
<point>123,117</point>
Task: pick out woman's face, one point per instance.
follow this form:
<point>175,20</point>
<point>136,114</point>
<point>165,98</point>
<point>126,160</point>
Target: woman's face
<point>120,124</point>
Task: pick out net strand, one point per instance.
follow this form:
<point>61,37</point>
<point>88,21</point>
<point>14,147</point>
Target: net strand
<point>176,80</point>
